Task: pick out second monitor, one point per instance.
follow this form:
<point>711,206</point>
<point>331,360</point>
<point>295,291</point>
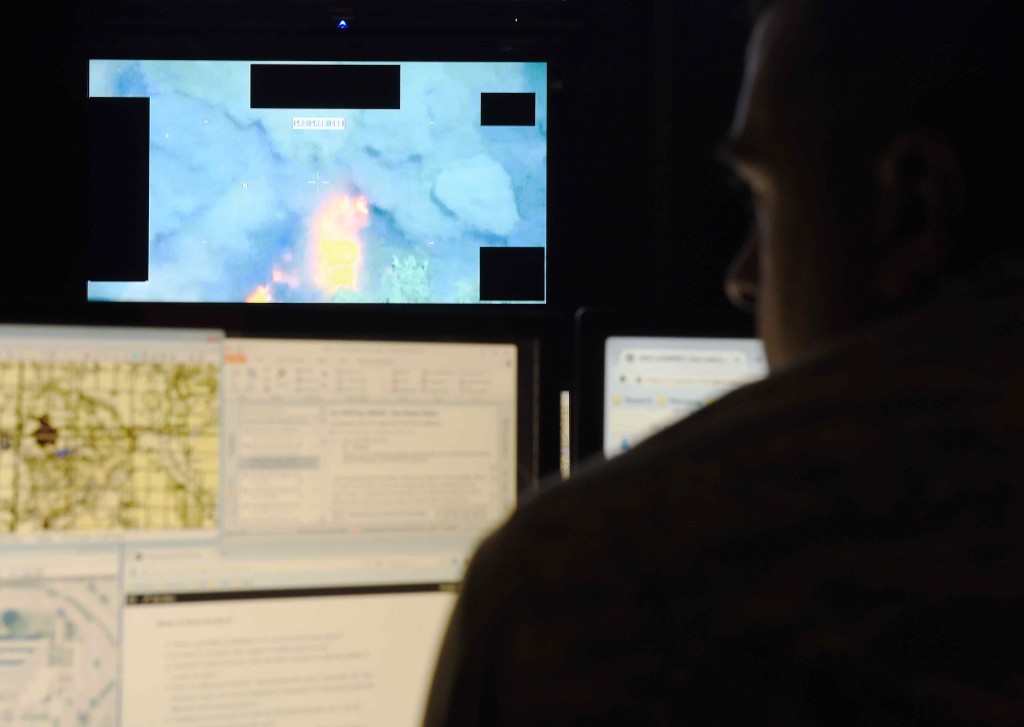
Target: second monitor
<point>370,437</point>
<point>638,372</point>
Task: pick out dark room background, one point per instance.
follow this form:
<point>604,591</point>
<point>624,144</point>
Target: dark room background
<point>640,214</point>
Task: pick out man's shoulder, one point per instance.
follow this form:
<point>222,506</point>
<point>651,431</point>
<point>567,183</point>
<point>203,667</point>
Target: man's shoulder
<point>926,399</point>
<point>778,533</point>
<point>682,486</point>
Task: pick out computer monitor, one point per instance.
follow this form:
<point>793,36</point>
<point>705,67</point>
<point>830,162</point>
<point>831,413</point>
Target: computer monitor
<point>641,372</point>
<point>651,382</point>
<point>217,526</point>
<point>317,177</point>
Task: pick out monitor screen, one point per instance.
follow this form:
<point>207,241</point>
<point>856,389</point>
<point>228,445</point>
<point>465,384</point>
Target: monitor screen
<point>230,181</point>
<point>198,527</point>
<point>108,432</point>
<point>369,437</point>
<point>638,369</point>
<point>651,382</point>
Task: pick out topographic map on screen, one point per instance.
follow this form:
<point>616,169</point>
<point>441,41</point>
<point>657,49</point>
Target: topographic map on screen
<point>107,446</point>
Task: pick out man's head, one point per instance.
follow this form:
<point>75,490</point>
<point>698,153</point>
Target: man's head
<point>869,134</point>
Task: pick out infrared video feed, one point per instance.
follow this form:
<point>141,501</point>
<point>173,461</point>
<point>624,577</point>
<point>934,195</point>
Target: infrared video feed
<point>338,205</point>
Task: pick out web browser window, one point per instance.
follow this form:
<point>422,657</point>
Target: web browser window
<point>653,382</point>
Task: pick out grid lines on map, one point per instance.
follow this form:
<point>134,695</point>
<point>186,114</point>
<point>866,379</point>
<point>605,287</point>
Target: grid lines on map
<point>108,446</point>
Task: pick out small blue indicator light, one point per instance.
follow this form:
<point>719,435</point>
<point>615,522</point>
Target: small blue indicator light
<point>343,24</point>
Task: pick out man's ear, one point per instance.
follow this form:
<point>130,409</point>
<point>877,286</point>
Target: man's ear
<point>921,192</point>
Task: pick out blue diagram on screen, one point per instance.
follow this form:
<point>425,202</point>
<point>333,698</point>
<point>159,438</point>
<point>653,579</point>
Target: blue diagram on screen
<point>330,205</point>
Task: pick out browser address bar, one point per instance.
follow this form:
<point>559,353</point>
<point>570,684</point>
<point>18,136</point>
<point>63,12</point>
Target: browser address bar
<point>658,379</point>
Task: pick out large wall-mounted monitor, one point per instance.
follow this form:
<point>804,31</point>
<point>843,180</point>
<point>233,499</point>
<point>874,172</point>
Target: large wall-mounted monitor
<point>296,180</point>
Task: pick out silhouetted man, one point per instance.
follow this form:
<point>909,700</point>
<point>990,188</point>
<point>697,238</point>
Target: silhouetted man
<point>840,543</point>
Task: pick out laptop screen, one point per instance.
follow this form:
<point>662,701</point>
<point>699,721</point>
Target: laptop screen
<point>201,528</point>
<point>651,382</point>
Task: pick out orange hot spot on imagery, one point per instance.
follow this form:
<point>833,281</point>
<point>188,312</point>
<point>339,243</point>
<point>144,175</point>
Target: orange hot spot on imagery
<point>336,251</point>
<point>262,294</point>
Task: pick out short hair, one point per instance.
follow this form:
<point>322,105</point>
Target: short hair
<point>949,67</point>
